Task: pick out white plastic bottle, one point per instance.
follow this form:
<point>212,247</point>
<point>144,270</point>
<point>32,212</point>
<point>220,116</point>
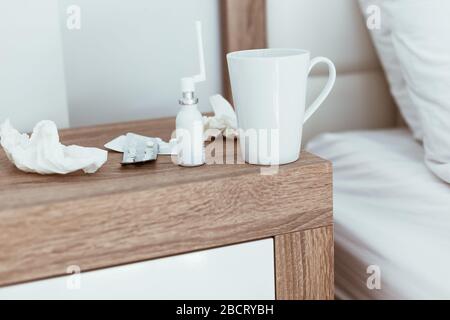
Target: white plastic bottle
<point>191,151</point>
<point>189,123</point>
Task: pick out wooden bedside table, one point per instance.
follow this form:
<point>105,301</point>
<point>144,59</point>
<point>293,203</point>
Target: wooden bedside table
<point>122,215</point>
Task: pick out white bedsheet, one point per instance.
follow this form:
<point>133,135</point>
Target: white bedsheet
<point>389,211</point>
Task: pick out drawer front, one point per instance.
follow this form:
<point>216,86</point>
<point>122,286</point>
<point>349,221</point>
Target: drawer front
<point>244,271</point>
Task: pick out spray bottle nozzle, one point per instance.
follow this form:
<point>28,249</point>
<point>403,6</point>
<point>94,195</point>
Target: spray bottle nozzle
<point>188,83</point>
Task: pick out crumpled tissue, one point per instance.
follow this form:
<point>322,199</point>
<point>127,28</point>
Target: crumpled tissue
<point>44,154</point>
<point>224,118</point>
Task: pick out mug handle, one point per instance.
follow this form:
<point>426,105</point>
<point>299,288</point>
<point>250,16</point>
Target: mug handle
<point>326,91</point>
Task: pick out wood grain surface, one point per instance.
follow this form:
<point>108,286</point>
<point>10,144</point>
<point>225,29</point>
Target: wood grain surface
<point>127,214</point>
<point>243,28</point>
<point>304,265</point>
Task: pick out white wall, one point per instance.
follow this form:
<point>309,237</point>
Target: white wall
<point>126,60</point>
<point>32,84</point>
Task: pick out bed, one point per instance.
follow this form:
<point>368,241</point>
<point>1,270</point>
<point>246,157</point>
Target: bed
<point>390,212</point>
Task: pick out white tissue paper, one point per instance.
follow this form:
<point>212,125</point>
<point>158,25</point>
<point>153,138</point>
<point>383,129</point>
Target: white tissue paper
<point>224,118</point>
<point>43,153</point>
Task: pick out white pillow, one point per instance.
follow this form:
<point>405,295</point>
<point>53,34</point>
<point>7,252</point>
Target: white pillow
<point>391,64</point>
<point>421,38</point>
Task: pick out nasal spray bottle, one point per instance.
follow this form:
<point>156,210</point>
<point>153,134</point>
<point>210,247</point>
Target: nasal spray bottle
<point>191,151</point>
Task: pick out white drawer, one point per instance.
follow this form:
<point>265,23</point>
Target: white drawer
<point>244,271</point>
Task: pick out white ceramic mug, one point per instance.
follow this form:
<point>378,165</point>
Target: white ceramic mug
<point>269,93</point>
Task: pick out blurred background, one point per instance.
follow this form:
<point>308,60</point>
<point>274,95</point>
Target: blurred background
<point>126,60</point>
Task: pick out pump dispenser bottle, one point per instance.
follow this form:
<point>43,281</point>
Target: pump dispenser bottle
<point>189,123</point>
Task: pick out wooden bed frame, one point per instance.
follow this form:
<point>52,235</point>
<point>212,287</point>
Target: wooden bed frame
<point>243,28</point>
